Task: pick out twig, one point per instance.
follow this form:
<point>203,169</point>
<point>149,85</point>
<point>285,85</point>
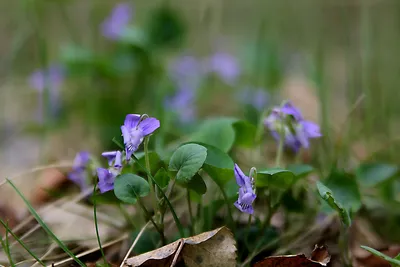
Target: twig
<point>134,243</point>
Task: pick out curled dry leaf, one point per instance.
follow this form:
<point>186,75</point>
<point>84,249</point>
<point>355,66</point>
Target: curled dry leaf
<point>319,257</point>
<point>215,248</point>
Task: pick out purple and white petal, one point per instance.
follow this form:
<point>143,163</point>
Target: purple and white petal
<point>311,129</point>
<point>240,176</point>
<point>289,109</point>
<point>132,121</point>
<point>118,160</point>
<point>110,156</point>
<point>125,134</point>
<point>149,125</point>
<point>81,160</point>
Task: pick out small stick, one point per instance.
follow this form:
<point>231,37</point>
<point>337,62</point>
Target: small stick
<point>134,243</point>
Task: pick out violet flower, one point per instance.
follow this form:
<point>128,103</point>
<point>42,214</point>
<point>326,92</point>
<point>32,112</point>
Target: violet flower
<point>113,157</point>
<point>287,121</point>
<point>186,71</point>
<point>256,98</point>
<point>51,79</point>
<point>106,178</point>
<point>225,65</point>
<point>79,173</point>
<point>114,26</point>
<point>246,191</point>
<point>135,129</point>
<point>182,104</point>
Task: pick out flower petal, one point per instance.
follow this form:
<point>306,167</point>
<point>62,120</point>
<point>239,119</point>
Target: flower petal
<point>149,125</point>
<point>110,156</point>
<point>125,134</point>
<point>240,177</point>
<point>81,160</point>
<point>289,109</point>
<point>131,121</point>
<point>118,160</point>
<point>244,208</point>
<point>311,129</point>
<point>104,187</point>
<point>103,174</point>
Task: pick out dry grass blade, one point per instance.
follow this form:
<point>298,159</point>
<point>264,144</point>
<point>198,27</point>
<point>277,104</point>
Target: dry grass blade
<point>135,242</point>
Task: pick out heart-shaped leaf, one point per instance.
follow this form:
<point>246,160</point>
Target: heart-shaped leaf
<point>345,188</point>
<point>275,178</point>
<point>187,161</point>
<point>128,187</point>
<point>300,170</point>
<point>245,133</point>
<point>372,174</point>
<point>196,184</point>
<point>217,132</point>
<point>329,198</point>
<point>162,178</point>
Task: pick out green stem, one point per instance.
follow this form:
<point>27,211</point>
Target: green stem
<point>6,246</point>
<point>176,219</point>
<point>97,226</point>
<point>279,153</point>
<point>231,222</point>
<point>149,217</point>
<point>126,215</point>
<point>190,212</point>
<point>147,160</point>
<point>344,246</point>
<point>260,126</point>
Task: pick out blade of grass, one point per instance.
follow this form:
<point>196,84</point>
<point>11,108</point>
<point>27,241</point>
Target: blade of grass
<point>44,225</point>
<point>8,230</point>
<point>395,262</point>
<point>97,226</point>
<point>6,246</point>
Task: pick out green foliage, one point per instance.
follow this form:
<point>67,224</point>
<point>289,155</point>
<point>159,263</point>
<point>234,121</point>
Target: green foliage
<point>345,188</point>
<point>394,262</point>
<point>370,174</point>
<point>245,133</point>
<point>217,132</point>
<point>300,170</point>
<point>187,161</point>
<point>197,184</point>
<point>275,178</point>
<point>330,199</point>
<point>162,178</point>
<point>147,242</point>
<point>129,187</point>
<point>105,198</point>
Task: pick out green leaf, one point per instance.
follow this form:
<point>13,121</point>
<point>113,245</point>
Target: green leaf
<point>372,174</point>
<point>217,132</point>
<point>329,198</point>
<point>394,261</point>
<point>128,187</point>
<point>147,242</point>
<point>300,170</point>
<point>155,161</point>
<point>275,178</point>
<point>196,184</point>
<point>220,176</point>
<point>187,161</point>
<point>162,178</point>
<point>344,187</point>
<point>245,133</point>
<point>397,257</point>
<point>134,36</point>
<point>105,198</point>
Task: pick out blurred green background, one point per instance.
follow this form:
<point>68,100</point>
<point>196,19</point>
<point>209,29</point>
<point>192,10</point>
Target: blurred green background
<point>335,59</point>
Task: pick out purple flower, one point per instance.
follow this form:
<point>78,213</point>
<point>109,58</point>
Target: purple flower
<point>186,71</point>
<point>106,179</point>
<point>113,156</point>
<point>114,26</point>
<point>51,79</point>
<point>78,175</point>
<point>135,129</point>
<point>246,192</point>
<point>225,66</point>
<point>182,103</point>
<point>257,98</point>
<point>288,121</point>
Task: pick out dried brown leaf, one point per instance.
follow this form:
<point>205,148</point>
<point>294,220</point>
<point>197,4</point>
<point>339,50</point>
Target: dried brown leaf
<point>214,248</point>
<point>319,257</point>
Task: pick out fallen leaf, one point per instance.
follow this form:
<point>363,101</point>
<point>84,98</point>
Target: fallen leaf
<point>319,257</point>
<point>214,248</point>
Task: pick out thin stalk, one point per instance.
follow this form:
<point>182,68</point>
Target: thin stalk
<point>134,243</point>
<point>176,219</point>
<point>147,160</point>
<point>150,218</point>
<point>279,153</point>
<point>44,225</point>
<point>6,247</point>
<point>231,221</point>
<point>190,212</point>
<point>260,126</point>
<point>20,242</point>
<point>126,215</point>
<point>97,226</point>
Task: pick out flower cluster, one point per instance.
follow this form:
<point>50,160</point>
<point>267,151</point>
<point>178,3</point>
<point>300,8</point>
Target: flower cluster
<point>287,122</point>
